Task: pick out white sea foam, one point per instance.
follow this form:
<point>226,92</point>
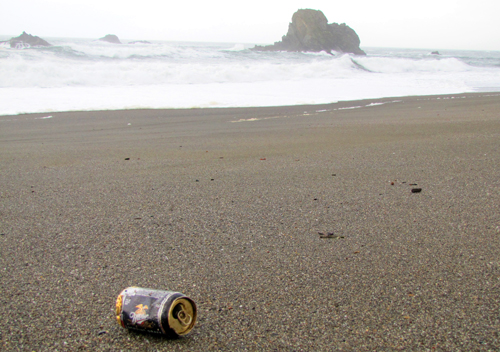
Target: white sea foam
<point>236,47</point>
<point>405,65</point>
<point>350,107</point>
<point>91,75</point>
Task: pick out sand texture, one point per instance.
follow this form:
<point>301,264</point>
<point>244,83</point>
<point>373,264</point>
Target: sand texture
<point>226,206</point>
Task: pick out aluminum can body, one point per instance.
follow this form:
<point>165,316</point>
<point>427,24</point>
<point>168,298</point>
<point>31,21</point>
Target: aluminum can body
<point>156,311</point>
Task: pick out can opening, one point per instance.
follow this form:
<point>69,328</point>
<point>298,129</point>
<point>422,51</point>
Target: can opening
<point>182,316</point>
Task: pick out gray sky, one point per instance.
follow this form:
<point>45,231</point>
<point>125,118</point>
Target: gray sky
<point>430,24</point>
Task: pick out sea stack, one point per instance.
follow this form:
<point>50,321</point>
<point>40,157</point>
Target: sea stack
<point>26,40</point>
<point>310,31</point>
<point>111,38</point>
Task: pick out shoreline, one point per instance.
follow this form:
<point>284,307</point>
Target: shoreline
<point>226,205</point>
<point>338,104</point>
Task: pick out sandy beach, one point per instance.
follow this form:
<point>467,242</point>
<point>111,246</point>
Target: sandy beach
<point>226,206</point>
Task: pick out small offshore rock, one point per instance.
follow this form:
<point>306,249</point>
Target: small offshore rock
<point>110,38</point>
<point>26,40</point>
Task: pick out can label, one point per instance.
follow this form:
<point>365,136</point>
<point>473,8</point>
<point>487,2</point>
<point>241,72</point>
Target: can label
<point>156,311</point>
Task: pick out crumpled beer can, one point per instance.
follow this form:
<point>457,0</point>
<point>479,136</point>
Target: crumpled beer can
<point>156,311</point>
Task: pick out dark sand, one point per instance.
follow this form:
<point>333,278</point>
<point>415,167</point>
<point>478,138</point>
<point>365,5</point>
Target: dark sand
<point>196,209</point>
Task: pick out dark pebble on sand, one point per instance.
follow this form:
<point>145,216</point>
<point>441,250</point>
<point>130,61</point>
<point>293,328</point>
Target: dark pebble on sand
<point>329,235</point>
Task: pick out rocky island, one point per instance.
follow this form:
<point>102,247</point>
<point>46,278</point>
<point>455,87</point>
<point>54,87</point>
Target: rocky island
<point>111,38</point>
<point>25,41</point>
<point>310,31</point>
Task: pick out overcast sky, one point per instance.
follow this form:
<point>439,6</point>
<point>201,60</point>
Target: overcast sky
<point>429,24</point>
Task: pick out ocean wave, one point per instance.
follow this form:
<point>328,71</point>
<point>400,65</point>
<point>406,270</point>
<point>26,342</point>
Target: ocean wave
<point>236,47</point>
<point>152,51</point>
<point>73,73</point>
<point>57,71</point>
<point>405,65</point>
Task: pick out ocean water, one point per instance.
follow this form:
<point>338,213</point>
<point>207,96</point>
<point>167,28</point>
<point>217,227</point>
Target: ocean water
<point>85,74</point>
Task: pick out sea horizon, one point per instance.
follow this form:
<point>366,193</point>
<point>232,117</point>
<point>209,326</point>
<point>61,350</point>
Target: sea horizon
<point>5,37</point>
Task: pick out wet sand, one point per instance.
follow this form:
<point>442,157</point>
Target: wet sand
<point>225,205</point>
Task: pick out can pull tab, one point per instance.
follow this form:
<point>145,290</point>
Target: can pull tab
<point>182,315</point>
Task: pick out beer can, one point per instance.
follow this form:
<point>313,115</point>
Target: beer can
<point>157,311</point>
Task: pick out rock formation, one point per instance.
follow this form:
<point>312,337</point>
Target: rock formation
<point>26,40</point>
<point>310,31</point>
<point>111,38</point>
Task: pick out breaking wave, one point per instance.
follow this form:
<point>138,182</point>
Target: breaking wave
<point>230,74</point>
